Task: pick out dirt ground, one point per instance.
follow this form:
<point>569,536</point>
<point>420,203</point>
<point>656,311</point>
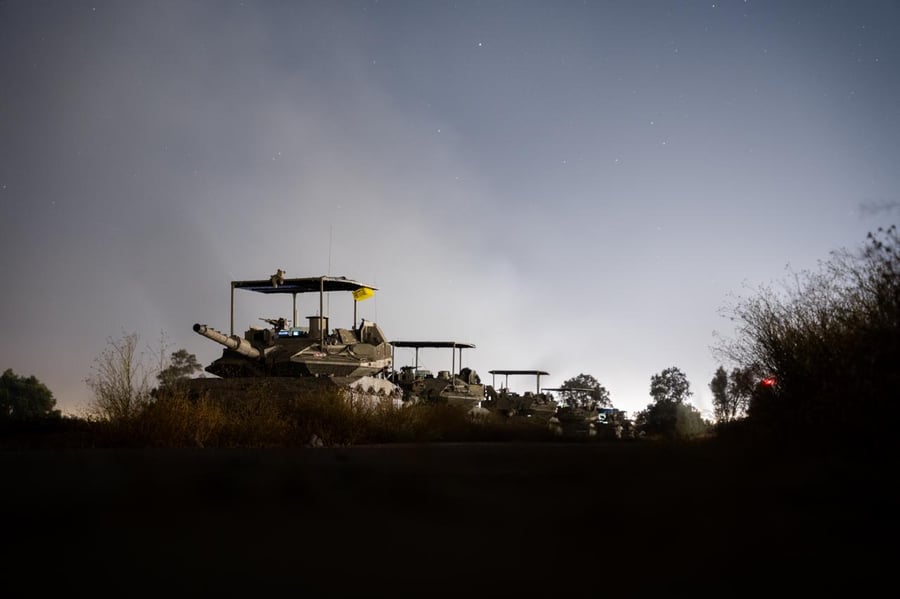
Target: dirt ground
<point>504,520</point>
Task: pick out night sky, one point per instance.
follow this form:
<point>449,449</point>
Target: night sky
<point>577,187</point>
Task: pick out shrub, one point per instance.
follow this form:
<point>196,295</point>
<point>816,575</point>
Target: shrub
<point>831,340</point>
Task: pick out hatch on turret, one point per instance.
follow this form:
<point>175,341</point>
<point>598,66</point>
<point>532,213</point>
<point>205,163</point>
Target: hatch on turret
<point>318,325</point>
<point>259,336</point>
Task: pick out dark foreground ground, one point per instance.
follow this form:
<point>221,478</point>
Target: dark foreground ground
<point>553,520</point>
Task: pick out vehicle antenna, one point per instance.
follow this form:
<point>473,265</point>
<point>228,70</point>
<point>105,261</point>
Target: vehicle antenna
<point>328,300</point>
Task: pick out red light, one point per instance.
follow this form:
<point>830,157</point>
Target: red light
<point>769,382</point>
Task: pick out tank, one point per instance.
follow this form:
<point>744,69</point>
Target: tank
<point>316,350</point>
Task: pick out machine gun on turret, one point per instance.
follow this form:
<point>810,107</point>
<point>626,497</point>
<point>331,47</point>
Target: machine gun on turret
<point>279,324</point>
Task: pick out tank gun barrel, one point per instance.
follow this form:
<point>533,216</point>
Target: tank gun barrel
<point>232,342</point>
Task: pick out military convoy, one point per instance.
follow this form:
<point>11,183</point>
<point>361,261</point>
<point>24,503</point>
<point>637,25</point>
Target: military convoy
<point>288,358</point>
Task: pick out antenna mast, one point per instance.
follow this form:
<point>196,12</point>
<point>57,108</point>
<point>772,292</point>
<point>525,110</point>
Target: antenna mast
<point>328,305</point>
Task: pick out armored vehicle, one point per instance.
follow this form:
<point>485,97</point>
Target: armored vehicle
<point>286,350</point>
<point>536,405</point>
<point>572,418</point>
<point>577,416</point>
<point>613,424</point>
<point>461,388</point>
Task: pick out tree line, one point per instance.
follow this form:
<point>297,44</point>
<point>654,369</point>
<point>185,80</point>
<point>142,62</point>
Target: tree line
<point>814,358</point>
<point>120,379</point>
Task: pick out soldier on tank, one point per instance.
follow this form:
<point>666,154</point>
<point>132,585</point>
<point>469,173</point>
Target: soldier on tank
<point>278,278</point>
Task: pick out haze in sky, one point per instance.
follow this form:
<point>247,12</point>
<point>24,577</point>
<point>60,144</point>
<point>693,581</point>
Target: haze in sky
<point>577,187</point>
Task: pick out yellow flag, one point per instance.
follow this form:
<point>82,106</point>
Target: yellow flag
<point>363,293</point>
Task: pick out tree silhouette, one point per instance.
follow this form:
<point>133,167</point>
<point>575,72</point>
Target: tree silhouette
<point>669,415</point>
<point>25,398</point>
<point>181,366</point>
<point>585,391</point>
<point>731,393</point>
<point>670,385</point>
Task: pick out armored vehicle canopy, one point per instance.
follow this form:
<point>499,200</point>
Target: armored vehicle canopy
<point>505,373</point>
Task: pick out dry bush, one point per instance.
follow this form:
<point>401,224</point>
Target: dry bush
<point>262,416</point>
<point>831,340</point>
<point>258,421</point>
<point>172,420</point>
<point>120,380</point>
